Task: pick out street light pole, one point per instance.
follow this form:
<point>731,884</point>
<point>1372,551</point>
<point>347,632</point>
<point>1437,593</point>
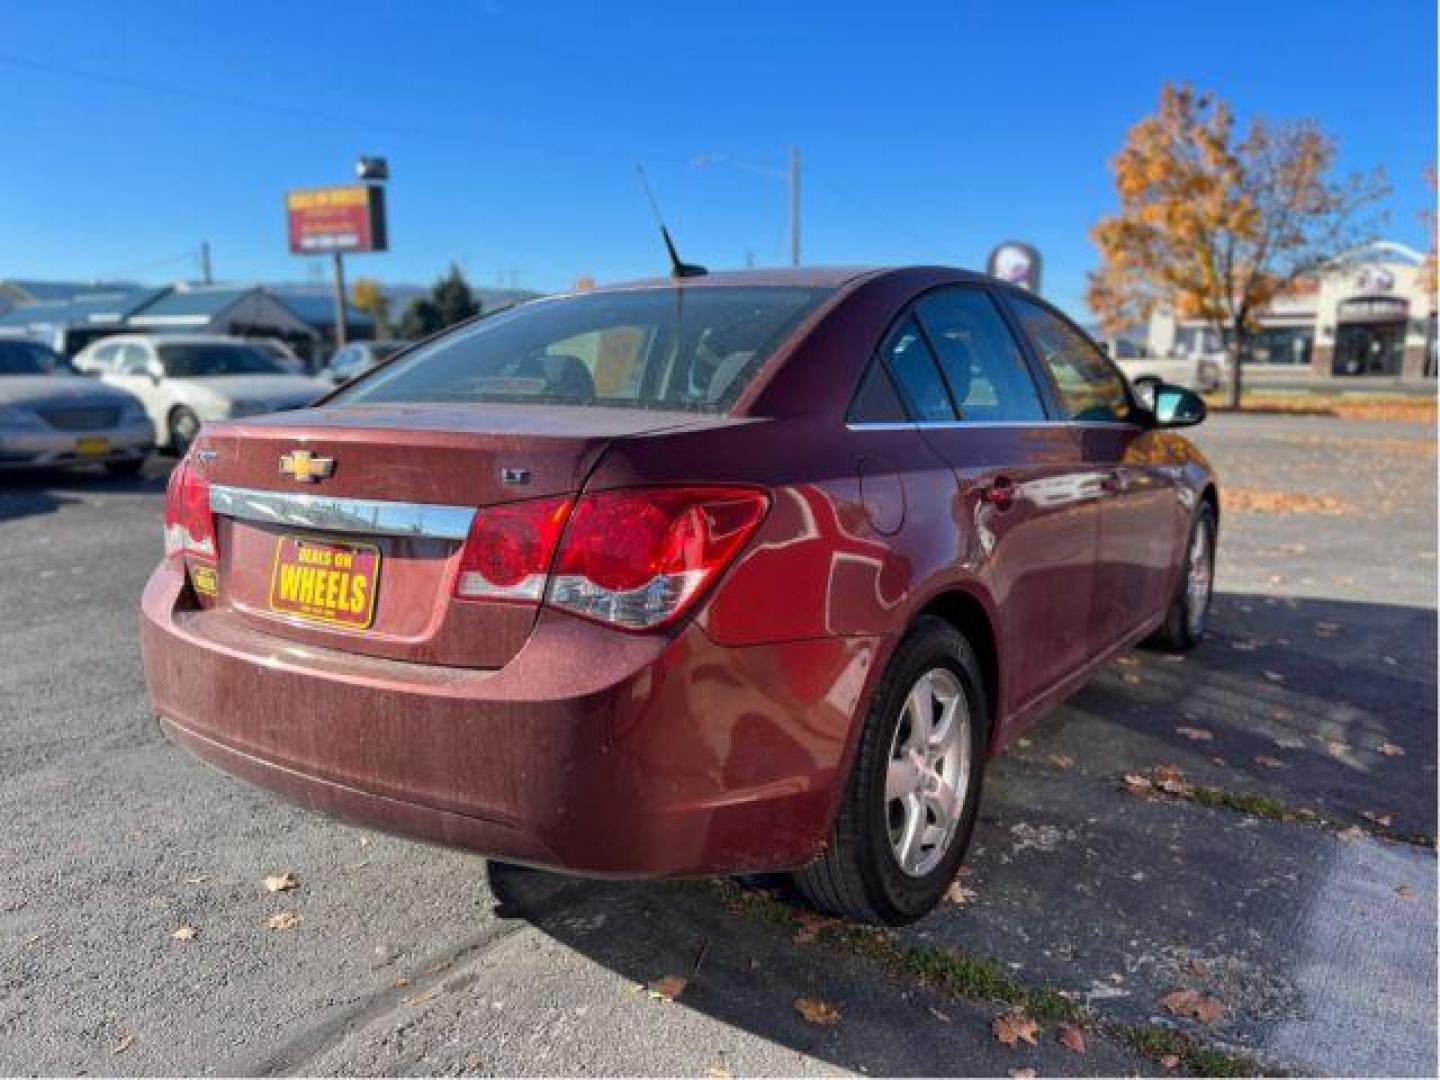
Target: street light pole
<point>794,206</point>
<point>340,328</point>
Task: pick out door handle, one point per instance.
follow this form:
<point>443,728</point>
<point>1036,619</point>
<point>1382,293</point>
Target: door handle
<point>999,493</point>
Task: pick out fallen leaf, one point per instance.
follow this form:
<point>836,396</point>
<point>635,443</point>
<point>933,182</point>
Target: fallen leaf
<point>1061,761</point>
<point>183,933</point>
<point>124,1044</point>
<point>281,882</point>
<point>1170,1062</point>
<point>1072,1038</point>
<point>1135,784</point>
<point>938,1015</point>
<point>1195,967</point>
<point>1273,676</point>
<point>1194,1004</point>
<point>1354,832</point>
<point>718,1072</point>
<point>960,894</point>
<point>197,880</point>
<point>1022,1074</point>
<point>1195,734</point>
<point>1389,749</point>
<point>1265,761</point>
<point>1013,1026</point>
<point>1168,772</point>
<point>420,999</point>
<point>284,920</point>
<point>1405,892</point>
<point>1335,747</point>
<point>817,1011</point>
<point>1132,678</point>
<point>1383,820</point>
<point>667,989</point>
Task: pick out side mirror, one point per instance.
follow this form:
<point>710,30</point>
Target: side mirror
<point>1177,407</point>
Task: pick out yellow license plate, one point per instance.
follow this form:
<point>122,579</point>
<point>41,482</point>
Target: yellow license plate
<point>332,583</point>
<point>92,447</point>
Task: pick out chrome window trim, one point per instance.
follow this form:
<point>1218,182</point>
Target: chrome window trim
<point>905,425</point>
<point>328,513</point>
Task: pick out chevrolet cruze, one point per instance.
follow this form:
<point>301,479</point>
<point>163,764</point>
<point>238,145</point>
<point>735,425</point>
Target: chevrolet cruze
<point>737,572</point>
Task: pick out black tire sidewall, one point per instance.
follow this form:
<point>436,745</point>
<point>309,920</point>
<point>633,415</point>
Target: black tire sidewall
<point>898,896</point>
<point>1205,516</point>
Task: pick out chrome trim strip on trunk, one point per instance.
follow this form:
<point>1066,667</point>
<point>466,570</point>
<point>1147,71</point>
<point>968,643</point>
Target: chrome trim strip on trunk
<point>371,517</point>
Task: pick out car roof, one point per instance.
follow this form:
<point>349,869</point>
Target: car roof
<point>171,339</point>
<point>833,277</point>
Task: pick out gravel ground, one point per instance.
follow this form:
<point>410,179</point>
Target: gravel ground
<point>1316,692</point>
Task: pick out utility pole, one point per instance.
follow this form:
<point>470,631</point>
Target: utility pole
<point>205,263</point>
<point>794,206</point>
<point>340,329</point>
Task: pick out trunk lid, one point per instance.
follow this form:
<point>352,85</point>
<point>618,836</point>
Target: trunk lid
<point>401,483</point>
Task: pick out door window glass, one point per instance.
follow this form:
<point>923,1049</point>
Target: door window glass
<point>913,365</point>
<point>876,402</point>
<point>982,362</point>
<point>1090,386</point>
<point>133,360</point>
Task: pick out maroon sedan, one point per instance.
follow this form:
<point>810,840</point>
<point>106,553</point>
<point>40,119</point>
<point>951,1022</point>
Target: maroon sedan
<point>734,573</point>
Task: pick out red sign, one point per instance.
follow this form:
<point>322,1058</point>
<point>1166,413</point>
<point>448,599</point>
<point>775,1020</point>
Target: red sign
<point>348,218</point>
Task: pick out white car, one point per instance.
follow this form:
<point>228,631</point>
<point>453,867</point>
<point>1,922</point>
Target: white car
<point>1199,373</point>
<point>184,380</point>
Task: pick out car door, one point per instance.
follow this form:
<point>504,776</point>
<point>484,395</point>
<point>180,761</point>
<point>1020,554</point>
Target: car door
<point>1023,487</point>
<point>134,372</point>
<point>1140,514</point>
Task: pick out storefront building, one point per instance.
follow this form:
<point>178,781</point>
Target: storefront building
<point>1371,317</point>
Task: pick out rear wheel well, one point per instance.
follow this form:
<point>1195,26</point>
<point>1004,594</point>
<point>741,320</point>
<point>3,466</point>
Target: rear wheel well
<point>962,611</point>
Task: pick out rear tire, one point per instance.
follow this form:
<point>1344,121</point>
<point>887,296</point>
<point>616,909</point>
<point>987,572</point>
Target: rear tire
<point>1189,613</point>
<point>911,800</point>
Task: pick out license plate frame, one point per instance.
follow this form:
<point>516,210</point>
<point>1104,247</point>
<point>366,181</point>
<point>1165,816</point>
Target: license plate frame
<point>317,596</point>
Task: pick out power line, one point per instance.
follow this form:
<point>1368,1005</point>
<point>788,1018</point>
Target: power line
<point>299,112</point>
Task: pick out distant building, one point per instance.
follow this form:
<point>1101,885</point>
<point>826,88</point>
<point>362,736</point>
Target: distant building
<point>1368,317</point>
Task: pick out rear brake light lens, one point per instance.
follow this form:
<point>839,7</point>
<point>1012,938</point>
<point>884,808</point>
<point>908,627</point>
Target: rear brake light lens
<point>189,524</point>
<point>637,558</point>
<point>508,551</point>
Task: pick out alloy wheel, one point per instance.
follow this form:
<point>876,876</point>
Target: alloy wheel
<point>928,774</point>
<point>1199,578</point>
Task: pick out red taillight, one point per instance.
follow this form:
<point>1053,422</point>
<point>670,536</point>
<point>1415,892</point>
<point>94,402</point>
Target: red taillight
<point>508,551</point>
<point>189,524</point>
<point>636,558</point>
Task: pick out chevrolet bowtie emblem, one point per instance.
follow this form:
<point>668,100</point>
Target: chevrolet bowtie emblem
<point>306,467</point>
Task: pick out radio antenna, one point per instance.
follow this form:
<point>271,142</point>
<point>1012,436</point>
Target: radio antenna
<point>678,269</point>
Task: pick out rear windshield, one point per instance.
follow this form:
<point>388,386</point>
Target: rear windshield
<point>27,358</point>
<point>190,361</point>
<point>666,348</point>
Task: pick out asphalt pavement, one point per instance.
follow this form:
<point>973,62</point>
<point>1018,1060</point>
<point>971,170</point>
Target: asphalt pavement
<point>1272,850</point>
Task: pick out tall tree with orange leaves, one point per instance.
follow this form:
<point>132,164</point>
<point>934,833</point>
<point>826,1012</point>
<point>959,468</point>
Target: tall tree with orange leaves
<point>1214,227</point>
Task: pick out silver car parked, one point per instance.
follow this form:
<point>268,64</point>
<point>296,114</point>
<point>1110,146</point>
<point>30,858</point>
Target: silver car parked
<point>50,416</point>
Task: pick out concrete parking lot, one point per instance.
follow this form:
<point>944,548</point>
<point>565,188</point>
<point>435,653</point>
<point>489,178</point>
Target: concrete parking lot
<point>1254,824</point>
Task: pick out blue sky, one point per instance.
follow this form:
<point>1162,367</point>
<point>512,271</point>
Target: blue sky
<point>928,132</point>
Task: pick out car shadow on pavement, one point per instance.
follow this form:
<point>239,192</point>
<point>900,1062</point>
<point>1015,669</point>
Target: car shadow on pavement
<point>28,492</point>
<point>1321,704</point>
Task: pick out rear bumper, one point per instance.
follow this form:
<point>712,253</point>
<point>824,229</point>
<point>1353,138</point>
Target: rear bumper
<point>591,751</point>
<point>53,449</point>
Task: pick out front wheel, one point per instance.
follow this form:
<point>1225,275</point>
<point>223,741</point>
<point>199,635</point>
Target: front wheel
<point>1189,611</point>
<point>910,805</point>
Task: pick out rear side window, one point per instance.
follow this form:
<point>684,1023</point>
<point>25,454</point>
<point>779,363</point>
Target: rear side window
<point>1090,386</point>
<point>876,402</point>
<point>986,371</point>
<point>913,365</point>
<point>694,348</point>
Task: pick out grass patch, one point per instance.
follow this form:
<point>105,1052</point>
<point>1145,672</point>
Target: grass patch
<point>1261,806</point>
<point>976,979</point>
<point>1156,1042</point>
